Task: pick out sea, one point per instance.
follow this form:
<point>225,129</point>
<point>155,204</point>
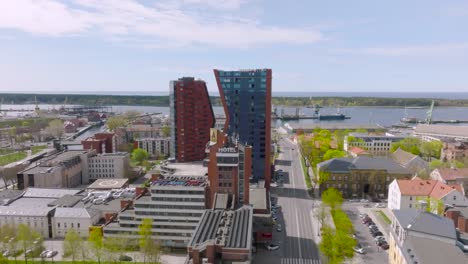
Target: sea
<point>362,116</point>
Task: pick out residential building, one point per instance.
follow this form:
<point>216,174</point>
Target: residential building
<point>191,117</point>
<point>101,143</point>
<point>376,145</point>
<point>108,165</point>
<point>229,167</point>
<point>134,132</point>
<point>361,176</point>
<point>62,170</point>
<point>452,176</point>
<point>441,132</point>
<point>454,150</point>
<point>222,236</point>
<point>175,202</point>
<point>407,194</point>
<point>412,162</point>
<point>421,237</point>
<point>459,216</point>
<point>246,98</point>
<point>156,147</point>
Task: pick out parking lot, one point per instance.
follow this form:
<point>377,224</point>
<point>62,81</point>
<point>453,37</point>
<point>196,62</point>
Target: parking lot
<point>373,253</point>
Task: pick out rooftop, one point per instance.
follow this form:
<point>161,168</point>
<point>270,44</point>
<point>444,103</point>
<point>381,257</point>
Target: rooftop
<point>442,130</point>
<point>49,193</point>
<point>184,169</point>
<point>428,251</point>
<point>75,212</point>
<point>229,229</point>
<point>425,222</point>
<point>402,157</point>
<point>363,163</point>
<point>258,198</point>
<point>6,196</point>
<point>453,174</point>
<point>106,184</point>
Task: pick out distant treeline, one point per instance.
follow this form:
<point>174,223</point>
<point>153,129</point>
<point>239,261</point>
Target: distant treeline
<point>164,100</point>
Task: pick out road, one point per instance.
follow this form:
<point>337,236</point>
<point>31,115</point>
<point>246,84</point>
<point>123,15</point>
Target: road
<point>297,244</point>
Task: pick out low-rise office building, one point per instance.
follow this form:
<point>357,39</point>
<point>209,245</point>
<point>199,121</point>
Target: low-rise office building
<point>222,236</point>
<point>79,219</point>
<point>361,177</point>
<point>421,237</point>
<point>376,145</point>
<point>175,203</point>
<point>109,165</point>
<point>156,147</point>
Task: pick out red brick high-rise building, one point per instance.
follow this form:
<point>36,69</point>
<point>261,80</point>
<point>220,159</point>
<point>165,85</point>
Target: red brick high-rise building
<point>192,117</point>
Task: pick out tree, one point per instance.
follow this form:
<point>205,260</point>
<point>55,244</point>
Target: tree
<point>321,215</point>
<point>333,153</point>
<point>431,149</point>
<point>29,240</point>
<point>73,245</point>
<point>96,244</point>
<point>166,131</point>
<point>139,155</point>
<point>55,128</point>
<point>436,164</point>
<point>328,245</point>
<point>116,122</point>
<point>332,197</point>
<point>409,144</point>
<point>131,115</point>
<point>148,246</point>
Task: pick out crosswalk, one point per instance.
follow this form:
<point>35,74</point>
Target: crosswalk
<point>299,261</point>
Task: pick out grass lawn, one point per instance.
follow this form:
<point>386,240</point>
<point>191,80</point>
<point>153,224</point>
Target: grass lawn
<point>12,157</point>
<point>37,149</point>
<point>306,174</point>
<point>384,217</point>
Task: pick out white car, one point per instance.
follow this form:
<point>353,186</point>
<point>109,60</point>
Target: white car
<point>51,254</point>
<point>44,253</point>
<point>272,247</point>
<point>380,205</point>
<point>359,250</point>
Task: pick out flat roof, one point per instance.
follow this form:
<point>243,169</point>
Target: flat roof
<point>49,192</point>
<point>442,130</point>
<point>31,203</point>
<point>105,184</point>
<point>258,198</point>
<point>112,206</point>
<point>185,168</point>
<point>229,229</point>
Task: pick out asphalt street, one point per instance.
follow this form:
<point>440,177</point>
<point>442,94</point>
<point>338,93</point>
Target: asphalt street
<point>296,240</point>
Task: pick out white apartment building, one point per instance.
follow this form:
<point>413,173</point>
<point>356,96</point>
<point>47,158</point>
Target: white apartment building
<point>375,145</point>
<point>109,165</point>
<point>156,147</point>
<point>175,204</point>
<point>408,194</point>
<point>80,219</point>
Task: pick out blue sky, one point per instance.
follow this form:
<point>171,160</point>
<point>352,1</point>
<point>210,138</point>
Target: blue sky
<point>318,46</point>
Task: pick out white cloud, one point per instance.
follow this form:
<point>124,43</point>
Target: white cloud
<point>452,49</point>
<point>163,24</point>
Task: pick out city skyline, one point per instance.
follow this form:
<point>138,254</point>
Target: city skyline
<point>119,46</point>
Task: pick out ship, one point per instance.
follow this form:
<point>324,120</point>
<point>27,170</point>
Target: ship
<point>327,117</point>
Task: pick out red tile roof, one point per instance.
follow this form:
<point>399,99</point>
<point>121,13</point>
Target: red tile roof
<point>453,174</point>
<point>432,188</point>
<point>357,150</point>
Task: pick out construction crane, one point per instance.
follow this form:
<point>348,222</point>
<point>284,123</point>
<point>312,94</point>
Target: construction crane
<point>429,114</point>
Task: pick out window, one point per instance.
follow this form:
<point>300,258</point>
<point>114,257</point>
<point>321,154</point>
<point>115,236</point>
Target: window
<point>410,206</point>
<point>58,225</point>
<point>454,197</point>
<point>411,198</point>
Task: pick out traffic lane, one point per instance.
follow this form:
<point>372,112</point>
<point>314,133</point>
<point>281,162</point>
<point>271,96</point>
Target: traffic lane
<point>374,254</point>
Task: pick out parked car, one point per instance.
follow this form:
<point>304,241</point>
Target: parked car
<point>380,205</point>
<point>359,249</point>
<point>379,238</point>
<point>44,253</point>
<point>372,226</point>
<point>272,247</point>
<point>363,216</point>
<point>384,246</point>
<point>125,258</point>
<point>367,206</point>
<point>381,242</point>
<point>279,229</point>
<point>370,222</point>
<point>364,201</point>
<point>378,233</point>
<point>6,253</point>
<point>51,254</point>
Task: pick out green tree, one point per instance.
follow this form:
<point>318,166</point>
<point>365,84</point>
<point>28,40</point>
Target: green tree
<point>96,244</point>
<point>148,247</point>
<point>328,245</point>
<point>333,153</point>
<point>166,131</point>
<point>332,197</point>
<point>409,144</point>
<point>28,239</point>
<point>73,245</point>
<point>116,122</point>
<point>139,155</point>
<point>431,149</point>
<point>436,164</point>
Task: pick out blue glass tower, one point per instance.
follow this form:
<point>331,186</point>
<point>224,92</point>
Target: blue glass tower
<point>246,97</point>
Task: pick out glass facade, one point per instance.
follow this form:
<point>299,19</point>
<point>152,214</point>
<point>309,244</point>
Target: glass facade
<point>246,98</point>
